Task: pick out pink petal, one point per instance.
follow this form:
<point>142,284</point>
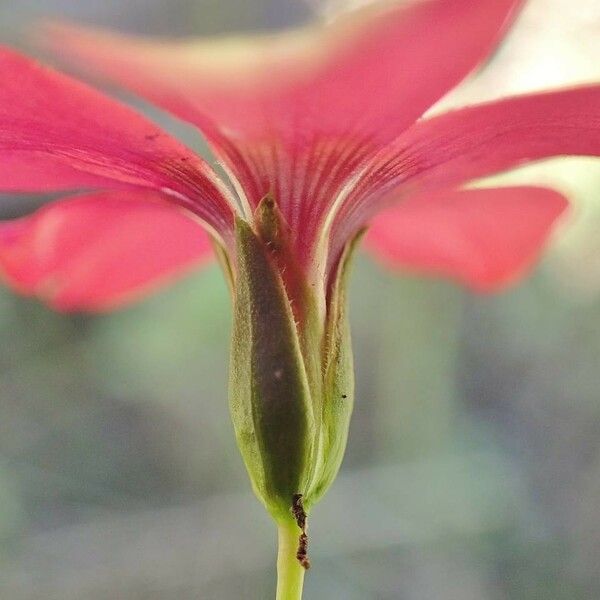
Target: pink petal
<point>100,251</point>
<point>296,114</point>
<point>485,238</point>
<point>471,143</point>
<point>483,140</point>
<point>56,133</point>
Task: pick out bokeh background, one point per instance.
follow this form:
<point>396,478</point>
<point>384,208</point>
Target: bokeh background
<point>473,467</point>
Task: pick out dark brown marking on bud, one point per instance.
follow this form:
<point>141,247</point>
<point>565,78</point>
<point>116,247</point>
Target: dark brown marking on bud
<point>300,516</point>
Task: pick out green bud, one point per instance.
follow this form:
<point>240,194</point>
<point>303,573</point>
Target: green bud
<point>291,375</point>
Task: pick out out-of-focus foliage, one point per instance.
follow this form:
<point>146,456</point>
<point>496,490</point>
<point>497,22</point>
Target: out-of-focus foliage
<point>473,469</point>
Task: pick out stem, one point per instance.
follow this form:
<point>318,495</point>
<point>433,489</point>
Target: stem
<point>290,574</point>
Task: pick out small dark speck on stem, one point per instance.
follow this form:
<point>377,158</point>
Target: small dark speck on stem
<point>300,516</point>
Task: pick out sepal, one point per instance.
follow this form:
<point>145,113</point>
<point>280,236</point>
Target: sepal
<point>338,377</point>
<point>291,374</point>
<point>270,396</point>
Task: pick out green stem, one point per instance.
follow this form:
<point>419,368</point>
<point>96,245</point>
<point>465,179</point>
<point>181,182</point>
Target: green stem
<point>290,574</point>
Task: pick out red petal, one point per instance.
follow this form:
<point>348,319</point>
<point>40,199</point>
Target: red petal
<point>56,133</point>
<point>485,238</point>
<point>463,145</point>
<point>390,61</point>
<point>100,251</point>
<point>296,114</point>
<point>482,140</point>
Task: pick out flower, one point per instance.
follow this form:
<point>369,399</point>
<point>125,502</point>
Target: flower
<point>320,133</point>
<point>324,118</point>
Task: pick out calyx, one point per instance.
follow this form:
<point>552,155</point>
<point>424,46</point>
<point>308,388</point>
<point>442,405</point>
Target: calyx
<point>291,371</point>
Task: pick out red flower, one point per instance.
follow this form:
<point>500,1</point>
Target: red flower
<point>319,133</point>
<point>324,119</point>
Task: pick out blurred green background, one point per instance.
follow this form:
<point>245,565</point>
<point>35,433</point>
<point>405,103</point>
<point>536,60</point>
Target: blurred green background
<point>473,467</point>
